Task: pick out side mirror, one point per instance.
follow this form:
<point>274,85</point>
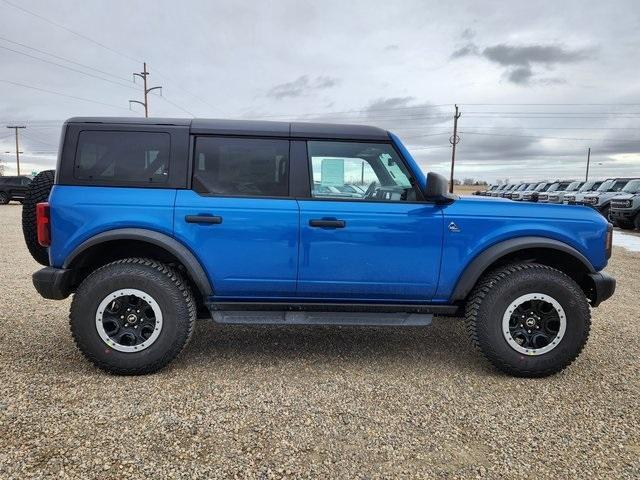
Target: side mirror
<point>438,189</point>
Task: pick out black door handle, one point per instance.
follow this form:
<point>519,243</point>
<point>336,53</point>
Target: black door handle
<point>321,222</point>
<point>214,219</point>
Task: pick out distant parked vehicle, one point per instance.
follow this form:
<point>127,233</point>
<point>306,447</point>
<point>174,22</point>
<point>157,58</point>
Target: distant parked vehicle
<point>497,191</point>
<point>13,188</point>
<point>525,187</point>
<point>601,198</point>
<point>573,198</point>
<point>532,196</point>
<point>555,187</point>
<point>487,191</point>
<point>625,208</point>
<point>506,192</point>
<point>558,195</point>
<point>517,189</point>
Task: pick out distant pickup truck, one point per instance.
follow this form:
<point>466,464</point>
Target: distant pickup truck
<point>152,221</point>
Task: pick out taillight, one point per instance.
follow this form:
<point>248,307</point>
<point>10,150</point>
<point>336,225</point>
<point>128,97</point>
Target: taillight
<point>43,224</point>
<point>609,241</point>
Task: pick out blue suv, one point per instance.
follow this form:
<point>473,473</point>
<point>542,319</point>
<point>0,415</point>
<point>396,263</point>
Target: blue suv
<point>152,222</point>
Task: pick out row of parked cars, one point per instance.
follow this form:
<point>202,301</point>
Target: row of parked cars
<point>618,199</point>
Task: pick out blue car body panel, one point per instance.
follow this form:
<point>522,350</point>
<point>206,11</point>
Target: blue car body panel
<point>483,222</point>
<point>253,252</point>
<point>79,213</point>
<point>386,251</point>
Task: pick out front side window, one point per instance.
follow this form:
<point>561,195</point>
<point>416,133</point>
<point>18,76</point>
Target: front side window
<point>123,157</point>
<point>632,187</point>
<point>241,167</point>
<point>358,171</point>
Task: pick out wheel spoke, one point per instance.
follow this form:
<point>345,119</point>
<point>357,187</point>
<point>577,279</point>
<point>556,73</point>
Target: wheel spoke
<point>532,323</point>
<point>129,320</point>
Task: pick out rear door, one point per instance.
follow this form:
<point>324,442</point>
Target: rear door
<point>238,217</point>
<point>383,244</point>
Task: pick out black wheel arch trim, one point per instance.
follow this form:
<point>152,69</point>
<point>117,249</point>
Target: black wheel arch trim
<point>173,246</point>
<point>482,261</point>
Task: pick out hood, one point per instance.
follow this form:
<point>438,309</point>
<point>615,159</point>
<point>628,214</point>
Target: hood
<point>525,211</point>
<point>627,196</point>
<point>602,194</point>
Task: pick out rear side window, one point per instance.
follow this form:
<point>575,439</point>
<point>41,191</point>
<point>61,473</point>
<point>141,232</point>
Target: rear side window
<point>241,167</point>
<point>123,157</point>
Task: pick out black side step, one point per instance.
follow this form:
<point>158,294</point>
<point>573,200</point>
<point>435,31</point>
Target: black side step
<point>274,317</point>
<point>334,307</point>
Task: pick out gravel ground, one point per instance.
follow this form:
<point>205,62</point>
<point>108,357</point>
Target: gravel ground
<point>311,402</point>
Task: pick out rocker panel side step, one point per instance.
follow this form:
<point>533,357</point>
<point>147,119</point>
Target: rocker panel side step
<point>271,317</point>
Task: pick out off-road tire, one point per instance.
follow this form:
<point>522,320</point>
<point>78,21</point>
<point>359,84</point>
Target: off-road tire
<point>38,191</point>
<point>4,198</point>
<point>636,222</point>
<point>164,284</point>
<point>492,296</point>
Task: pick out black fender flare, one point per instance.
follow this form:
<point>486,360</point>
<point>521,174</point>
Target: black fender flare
<point>177,249</point>
<point>482,261</point>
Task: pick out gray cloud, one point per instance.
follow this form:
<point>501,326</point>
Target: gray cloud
<point>468,49</point>
<point>520,59</point>
<point>510,55</point>
<point>302,86</point>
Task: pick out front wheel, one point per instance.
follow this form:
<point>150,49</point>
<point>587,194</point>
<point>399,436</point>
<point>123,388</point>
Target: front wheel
<point>529,320</point>
<point>132,316</point>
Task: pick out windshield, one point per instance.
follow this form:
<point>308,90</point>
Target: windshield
<point>573,187</point>
<point>553,187</point>
<point>605,186</point>
<point>540,187</point>
<point>589,186</point>
<point>632,187</point>
<point>522,187</point>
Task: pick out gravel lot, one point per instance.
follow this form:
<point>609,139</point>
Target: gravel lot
<point>311,402</point>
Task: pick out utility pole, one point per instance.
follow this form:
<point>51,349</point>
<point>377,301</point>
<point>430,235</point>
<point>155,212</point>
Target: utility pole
<point>143,75</point>
<point>16,128</point>
<point>454,140</point>
<point>586,178</point>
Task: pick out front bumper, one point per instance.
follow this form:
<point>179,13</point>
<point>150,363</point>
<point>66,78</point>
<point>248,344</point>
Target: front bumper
<point>602,287</point>
<point>623,215</point>
<point>53,283</point>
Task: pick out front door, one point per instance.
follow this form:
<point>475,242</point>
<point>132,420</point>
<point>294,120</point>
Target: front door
<point>238,218</point>
<point>365,234</point>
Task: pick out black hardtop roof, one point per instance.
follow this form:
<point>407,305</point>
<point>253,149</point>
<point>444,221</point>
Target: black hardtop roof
<point>201,126</point>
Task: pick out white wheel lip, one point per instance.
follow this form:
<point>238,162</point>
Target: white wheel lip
<point>519,301</point>
<point>121,293</point>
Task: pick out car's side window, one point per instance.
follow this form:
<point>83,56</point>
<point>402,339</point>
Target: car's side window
<point>250,167</point>
<point>358,171</point>
<point>123,157</point>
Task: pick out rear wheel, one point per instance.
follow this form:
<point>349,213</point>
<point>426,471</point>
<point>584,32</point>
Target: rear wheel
<point>132,316</point>
<point>528,320</point>
<point>37,192</point>
<point>4,198</point>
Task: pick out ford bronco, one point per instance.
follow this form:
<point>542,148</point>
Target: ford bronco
<point>152,222</point>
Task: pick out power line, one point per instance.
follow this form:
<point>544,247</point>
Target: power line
<point>89,39</point>
<point>552,138</point>
<point>69,68</point>
<point>177,106</point>
<point>61,94</point>
<point>64,59</point>
<point>36,139</point>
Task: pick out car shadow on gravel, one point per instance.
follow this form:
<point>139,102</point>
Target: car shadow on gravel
<point>445,343</point>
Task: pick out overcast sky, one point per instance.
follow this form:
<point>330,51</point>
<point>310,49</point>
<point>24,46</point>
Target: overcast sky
<point>537,82</point>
